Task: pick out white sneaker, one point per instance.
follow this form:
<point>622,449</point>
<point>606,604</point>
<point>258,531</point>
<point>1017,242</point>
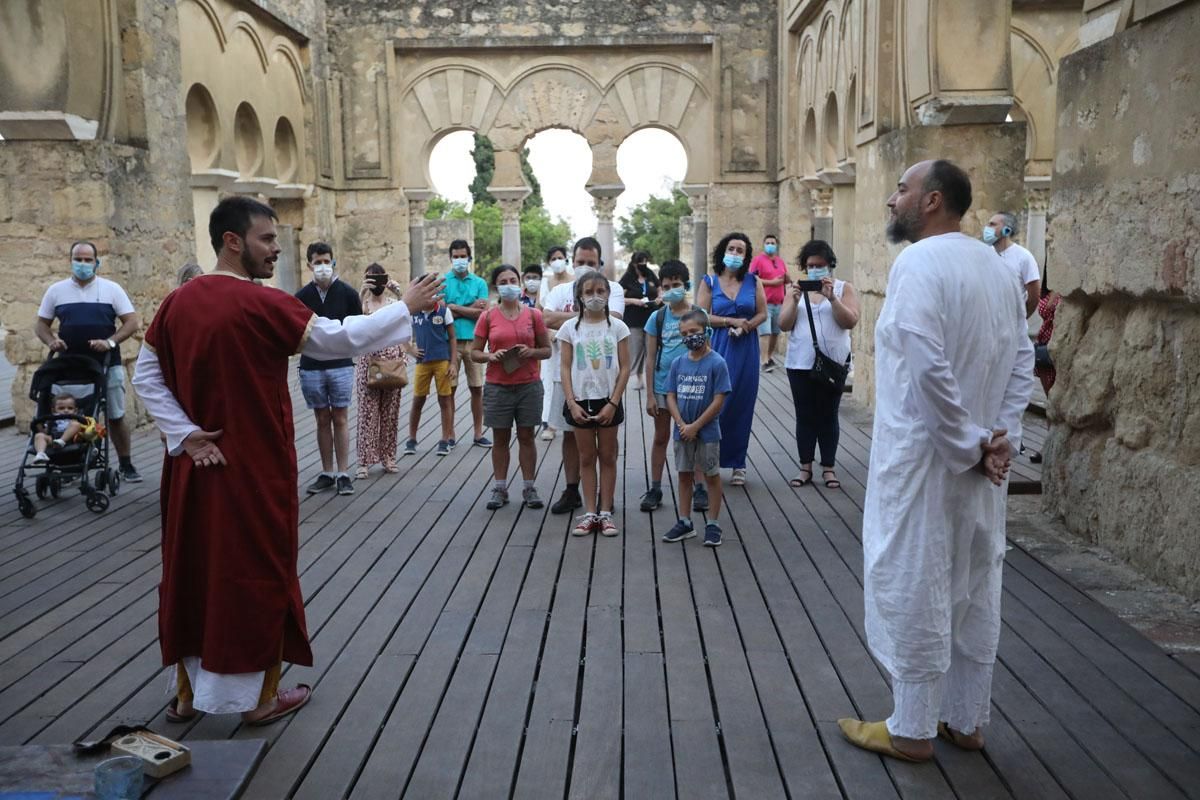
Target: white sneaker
<point>41,458</point>
<point>548,434</point>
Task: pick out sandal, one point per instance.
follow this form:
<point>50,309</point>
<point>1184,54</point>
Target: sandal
<point>173,715</point>
<point>831,483</point>
<point>391,467</point>
<point>362,473</point>
<point>803,478</point>
<point>959,740</point>
<point>739,478</point>
<point>287,702</point>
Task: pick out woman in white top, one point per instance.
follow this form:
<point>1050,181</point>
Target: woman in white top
<point>835,312</point>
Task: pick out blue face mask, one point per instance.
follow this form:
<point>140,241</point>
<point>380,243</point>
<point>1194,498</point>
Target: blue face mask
<point>460,265</point>
<point>733,262</point>
<point>674,296</point>
<point>83,270</point>
<point>989,235</point>
<point>770,248</point>
<point>509,291</point>
<point>818,273</point>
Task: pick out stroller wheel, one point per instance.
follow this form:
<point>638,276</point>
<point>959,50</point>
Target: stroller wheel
<point>55,486</point>
<point>114,482</point>
<point>25,506</point>
<point>97,502</point>
<point>41,485</point>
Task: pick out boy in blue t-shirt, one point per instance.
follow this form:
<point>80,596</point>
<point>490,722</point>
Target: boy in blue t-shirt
<point>663,346</point>
<point>696,387</point>
<point>435,346</point>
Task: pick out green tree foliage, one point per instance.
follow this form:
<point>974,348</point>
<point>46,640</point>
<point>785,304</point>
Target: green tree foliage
<point>653,226</point>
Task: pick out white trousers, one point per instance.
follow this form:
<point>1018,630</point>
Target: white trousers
<point>962,698</point>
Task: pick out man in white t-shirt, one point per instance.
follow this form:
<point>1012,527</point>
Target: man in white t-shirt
<point>88,309</point>
<point>559,307</point>
<point>998,233</point>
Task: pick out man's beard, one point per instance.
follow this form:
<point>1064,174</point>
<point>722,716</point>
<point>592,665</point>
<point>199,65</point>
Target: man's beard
<point>902,227</point>
<point>255,269</point>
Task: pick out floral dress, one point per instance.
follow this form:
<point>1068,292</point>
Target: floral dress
<point>378,409</point>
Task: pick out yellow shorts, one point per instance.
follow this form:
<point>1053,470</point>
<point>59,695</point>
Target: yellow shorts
<point>432,371</point>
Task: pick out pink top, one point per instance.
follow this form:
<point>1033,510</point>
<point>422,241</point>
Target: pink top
<point>771,267</point>
<point>501,333</point>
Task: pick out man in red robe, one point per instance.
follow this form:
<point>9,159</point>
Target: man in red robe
<point>214,373</point>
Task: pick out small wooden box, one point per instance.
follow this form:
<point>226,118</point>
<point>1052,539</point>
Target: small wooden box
<point>160,756</point>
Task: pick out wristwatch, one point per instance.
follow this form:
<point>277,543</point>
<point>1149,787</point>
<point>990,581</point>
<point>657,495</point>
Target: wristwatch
<point>112,345</point>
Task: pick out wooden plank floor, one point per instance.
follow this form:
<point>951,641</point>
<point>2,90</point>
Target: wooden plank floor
<point>465,653</point>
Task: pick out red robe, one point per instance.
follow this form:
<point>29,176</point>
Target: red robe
<point>230,592</point>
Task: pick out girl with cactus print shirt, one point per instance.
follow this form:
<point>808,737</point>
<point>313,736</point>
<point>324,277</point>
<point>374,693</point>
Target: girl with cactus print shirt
<point>594,365</point>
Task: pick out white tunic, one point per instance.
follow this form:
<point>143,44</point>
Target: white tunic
<point>953,361</point>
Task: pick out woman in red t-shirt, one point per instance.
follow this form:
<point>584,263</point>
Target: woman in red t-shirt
<point>511,339</point>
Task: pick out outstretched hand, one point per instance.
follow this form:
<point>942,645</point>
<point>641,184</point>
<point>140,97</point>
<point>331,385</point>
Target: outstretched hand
<point>202,448</point>
<point>423,293</point>
<point>997,457</point>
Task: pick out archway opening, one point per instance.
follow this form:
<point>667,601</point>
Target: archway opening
<point>560,210</point>
<point>203,128</point>
<point>287,153</point>
<point>247,140</point>
<point>652,164</point>
<point>808,144</point>
<point>832,136</point>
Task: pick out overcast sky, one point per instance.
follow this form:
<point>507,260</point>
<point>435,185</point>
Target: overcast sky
<point>649,162</point>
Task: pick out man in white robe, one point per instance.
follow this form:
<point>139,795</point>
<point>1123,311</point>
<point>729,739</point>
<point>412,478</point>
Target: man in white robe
<point>953,366</point>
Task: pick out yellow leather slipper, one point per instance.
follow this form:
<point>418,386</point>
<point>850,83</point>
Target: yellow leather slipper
<point>874,736</point>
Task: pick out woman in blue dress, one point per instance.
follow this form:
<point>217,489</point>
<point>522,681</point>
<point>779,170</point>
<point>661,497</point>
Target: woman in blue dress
<point>736,306</point>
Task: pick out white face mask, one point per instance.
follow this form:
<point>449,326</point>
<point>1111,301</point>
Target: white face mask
<point>533,285</point>
<point>322,272</point>
<point>559,265</point>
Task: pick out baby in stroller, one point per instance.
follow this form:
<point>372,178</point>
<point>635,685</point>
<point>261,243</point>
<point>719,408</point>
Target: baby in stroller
<point>60,431</point>
<point>67,441</point>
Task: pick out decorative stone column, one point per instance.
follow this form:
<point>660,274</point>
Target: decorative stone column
<point>1037,205</point>
<point>604,199</point>
<point>822,200</point>
<point>697,195</point>
<point>510,201</point>
<point>418,204</point>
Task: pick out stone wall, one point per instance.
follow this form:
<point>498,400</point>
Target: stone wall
<point>993,155</point>
<point>131,198</point>
<point>1123,456</point>
<point>439,233</point>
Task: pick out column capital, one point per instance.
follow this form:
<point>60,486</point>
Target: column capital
<point>822,200</point>
<point>697,195</point>
<point>418,204</point>
<point>510,200</point>
<point>605,208</point>
<point>1038,200</point>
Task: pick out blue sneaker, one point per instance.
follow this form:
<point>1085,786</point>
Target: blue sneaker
<point>700,498</point>
<point>682,529</point>
<point>443,448</point>
<point>482,441</point>
<point>410,447</point>
<point>451,443</point>
<point>712,535</point>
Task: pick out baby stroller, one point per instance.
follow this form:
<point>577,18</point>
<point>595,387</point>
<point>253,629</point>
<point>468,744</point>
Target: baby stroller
<point>85,459</point>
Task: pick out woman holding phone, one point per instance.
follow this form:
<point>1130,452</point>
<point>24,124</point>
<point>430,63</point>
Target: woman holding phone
<point>378,409</point>
<point>834,313</point>
<point>511,338</point>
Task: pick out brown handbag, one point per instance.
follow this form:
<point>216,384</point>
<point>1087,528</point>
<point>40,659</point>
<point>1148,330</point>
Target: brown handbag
<point>386,373</point>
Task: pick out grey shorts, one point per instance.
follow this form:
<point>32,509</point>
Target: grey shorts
<point>519,404</point>
<point>698,455</point>
<point>770,325</point>
<point>115,391</point>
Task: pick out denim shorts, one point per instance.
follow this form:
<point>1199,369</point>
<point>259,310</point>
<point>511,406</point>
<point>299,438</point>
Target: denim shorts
<point>115,391</point>
<point>327,388</point>
<point>770,325</point>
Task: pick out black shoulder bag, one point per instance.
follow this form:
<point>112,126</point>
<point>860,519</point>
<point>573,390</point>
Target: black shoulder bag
<point>825,371</point>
